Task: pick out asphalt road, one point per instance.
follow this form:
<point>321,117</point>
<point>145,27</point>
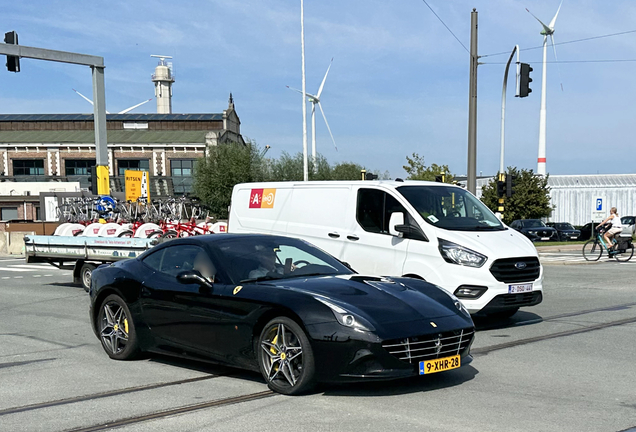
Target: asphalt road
<point>564,365</point>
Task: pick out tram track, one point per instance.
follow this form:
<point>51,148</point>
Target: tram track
<point>488,349</point>
<point>175,411</point>
<point>101,395</point>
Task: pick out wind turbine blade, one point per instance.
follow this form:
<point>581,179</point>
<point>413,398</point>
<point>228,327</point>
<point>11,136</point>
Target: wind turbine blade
<point>296,90</point>
<point>327,123</point>
<point>134,106</point>
<point>87,99</point>
<point>557,61</point>
<point>555,16</point>
<point>322,84</point>
<point>545,27</point>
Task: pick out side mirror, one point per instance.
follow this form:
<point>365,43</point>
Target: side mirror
<point>412,232</point>
<point>193,277</point>
<point>396,219</point>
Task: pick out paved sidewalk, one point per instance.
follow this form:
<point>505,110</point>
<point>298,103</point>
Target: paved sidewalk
<point>560,248</point>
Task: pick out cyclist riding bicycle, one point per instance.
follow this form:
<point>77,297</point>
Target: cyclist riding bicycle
<point>616,226</point>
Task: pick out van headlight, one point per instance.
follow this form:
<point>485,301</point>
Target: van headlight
<point>345,317</point>
<point>456,254</point>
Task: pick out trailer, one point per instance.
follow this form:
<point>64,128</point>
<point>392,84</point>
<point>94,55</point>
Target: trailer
<point>83,254</point>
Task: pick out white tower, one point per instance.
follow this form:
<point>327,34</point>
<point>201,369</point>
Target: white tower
<point>163,79</point>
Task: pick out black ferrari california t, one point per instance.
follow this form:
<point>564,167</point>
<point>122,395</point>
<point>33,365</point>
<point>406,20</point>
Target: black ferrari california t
<point>279,306</point>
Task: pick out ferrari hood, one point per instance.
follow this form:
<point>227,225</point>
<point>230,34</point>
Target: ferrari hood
<point>382,300</point>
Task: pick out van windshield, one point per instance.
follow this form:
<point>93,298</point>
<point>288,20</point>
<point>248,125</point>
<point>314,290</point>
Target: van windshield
<point>451,208</point>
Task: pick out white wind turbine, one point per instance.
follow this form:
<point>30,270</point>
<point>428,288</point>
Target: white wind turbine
<point>315,100</point>
<point>548,30</point>
<point>120,112</point>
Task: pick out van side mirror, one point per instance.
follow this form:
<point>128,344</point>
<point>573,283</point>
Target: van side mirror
<point>396,219</point>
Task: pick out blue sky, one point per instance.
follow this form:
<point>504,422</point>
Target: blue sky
<point>398,84</point>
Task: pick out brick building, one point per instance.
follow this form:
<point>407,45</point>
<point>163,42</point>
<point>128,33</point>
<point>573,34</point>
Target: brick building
<point>61,147</point>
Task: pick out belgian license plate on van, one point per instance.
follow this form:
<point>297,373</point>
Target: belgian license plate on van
<point>439,365</point>
<point>519,288</point>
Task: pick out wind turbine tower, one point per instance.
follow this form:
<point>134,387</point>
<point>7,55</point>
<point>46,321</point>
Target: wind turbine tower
<point>548,30</point>
<point>163,79</point>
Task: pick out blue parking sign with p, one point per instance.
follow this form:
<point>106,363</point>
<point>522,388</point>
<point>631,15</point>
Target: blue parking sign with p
<point>599,204</point>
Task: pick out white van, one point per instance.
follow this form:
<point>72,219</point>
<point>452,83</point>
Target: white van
<point>434,231</point>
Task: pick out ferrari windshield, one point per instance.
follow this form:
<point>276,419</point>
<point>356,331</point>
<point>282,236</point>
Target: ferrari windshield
<point>451,208</point>
<point>258,258</point>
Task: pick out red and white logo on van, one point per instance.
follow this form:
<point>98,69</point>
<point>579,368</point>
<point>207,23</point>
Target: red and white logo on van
<point>262,198</point>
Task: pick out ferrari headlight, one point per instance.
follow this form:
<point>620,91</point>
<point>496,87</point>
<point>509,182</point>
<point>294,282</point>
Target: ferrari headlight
<point>456,254</point>
<point>346,318</point>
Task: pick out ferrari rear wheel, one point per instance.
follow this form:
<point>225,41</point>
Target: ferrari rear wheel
<point>117,329</point>
<point>285,357</point>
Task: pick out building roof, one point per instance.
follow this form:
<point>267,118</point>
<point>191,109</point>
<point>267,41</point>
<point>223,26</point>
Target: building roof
<point>591,181</point>
<point>114,117</point>
<point>113,136</point>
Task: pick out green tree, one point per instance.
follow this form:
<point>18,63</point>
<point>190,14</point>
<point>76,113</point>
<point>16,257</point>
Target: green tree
<point>530,199</point>
<point>346,171</point>
<point>417,170</point>
<point>225,166</point>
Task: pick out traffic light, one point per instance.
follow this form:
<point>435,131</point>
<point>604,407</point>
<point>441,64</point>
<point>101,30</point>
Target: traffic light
<point>13,62</point>
<point>524,80</point>
<point>440,178</point>
<point>370,176</point>
<point>510,184</point>
<point>92,180</point>
<point>501,188</point>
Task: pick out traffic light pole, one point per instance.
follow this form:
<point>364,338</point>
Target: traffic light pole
<point>97,65</point>
<point>503,108</point>
<point>471,171</point>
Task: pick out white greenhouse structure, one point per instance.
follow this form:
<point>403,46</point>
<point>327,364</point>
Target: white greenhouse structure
<point>576,198</point>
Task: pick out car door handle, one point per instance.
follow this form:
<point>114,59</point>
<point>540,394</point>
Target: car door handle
<point>334,235</point>
<point>353,237</point>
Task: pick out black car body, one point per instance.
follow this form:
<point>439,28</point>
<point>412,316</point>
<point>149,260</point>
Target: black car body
<point>356,327</point>
<point>535,230</point>
<point>565,231</point>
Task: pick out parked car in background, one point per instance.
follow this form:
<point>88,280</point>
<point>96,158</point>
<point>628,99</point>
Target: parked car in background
<point>565,230</point>
<point>629,225</point>
<point>535,230</point>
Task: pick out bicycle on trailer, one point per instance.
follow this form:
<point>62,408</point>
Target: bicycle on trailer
<point>622,248</point>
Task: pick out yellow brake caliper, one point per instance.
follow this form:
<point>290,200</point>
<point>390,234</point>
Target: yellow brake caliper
<point>273,350</point>
<point>126,325</point>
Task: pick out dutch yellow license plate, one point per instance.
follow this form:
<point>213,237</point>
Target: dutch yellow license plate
<point>439,365</point>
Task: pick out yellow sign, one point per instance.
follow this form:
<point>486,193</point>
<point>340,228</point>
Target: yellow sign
<point>136,185</point>
<point>103,186</point>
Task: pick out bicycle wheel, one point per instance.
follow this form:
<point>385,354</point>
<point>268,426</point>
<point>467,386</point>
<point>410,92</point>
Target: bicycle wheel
<point>625,256</point>
<point>592,250</point>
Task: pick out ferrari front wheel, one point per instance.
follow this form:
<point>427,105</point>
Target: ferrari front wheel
<point>285,356</point>
<point>117,329</point>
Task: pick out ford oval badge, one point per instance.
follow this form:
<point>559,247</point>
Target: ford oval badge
<point>520,265</point>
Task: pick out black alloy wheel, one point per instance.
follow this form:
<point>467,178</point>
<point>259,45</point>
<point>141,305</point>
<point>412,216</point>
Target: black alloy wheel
<point>592,250</point>
<point>285,357</point>
<point>117,329</point>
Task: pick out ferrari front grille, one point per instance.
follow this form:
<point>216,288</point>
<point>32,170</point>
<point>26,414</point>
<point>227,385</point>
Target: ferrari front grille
<point>428,347</point>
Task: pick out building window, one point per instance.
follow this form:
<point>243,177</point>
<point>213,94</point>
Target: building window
<point>181,171</point>
<point>37,213</point>
<point>8,213</point>
<point>132,164</point>
<point>28,167</point>
<point>78,167</point>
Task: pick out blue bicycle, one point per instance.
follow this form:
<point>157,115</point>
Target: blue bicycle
<point>622,248</point>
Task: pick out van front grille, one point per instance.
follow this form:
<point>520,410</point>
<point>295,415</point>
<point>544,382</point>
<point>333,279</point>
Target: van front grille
<point>514,270</point>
